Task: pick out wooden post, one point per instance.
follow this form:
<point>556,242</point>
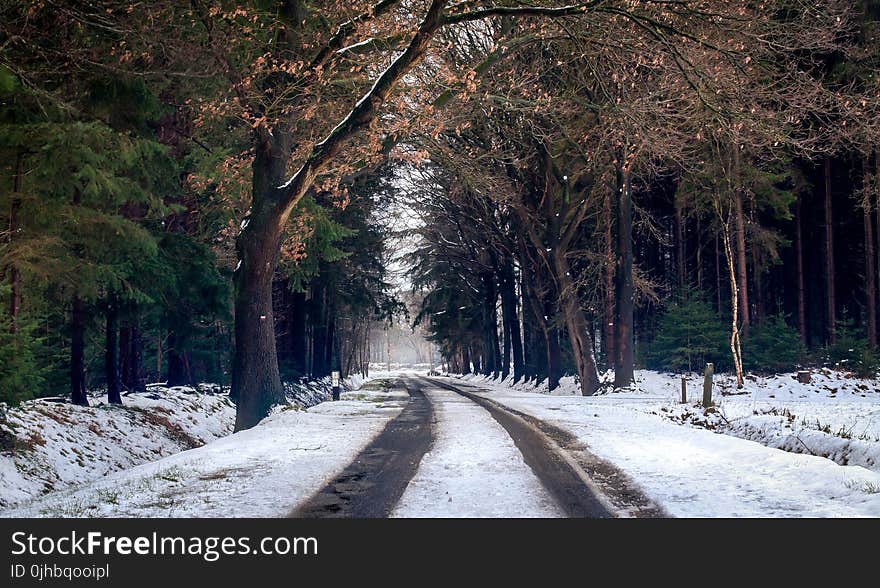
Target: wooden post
<point>684,396</point>
<point>707,385</point>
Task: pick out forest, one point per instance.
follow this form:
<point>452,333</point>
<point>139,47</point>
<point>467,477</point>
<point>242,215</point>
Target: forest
<point>205,191</point>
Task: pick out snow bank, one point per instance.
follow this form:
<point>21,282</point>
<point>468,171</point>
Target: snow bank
<point>48,444</point>
<point>264,471</point>
<point>828,431</point>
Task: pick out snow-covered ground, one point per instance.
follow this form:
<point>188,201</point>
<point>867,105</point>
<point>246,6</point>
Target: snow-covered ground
<point>696,463</point>
<point>47,446</point>
<point>473,469</point>
<point>261,472</point>
<point>53,445</point>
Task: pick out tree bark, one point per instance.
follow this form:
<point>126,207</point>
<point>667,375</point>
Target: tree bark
<point>511,320</point>
<point>77,354</point>
<point>576,326</point>
<point>624,291</point>
<point>735,336</point>
<point>828,268</point>
<point>609,329</point>
<point>491,351</point>
<point>111,352</point>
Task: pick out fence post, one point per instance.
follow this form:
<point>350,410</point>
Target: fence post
<point>334,380</point>
<point>684,394</point>
<point>707,385</point>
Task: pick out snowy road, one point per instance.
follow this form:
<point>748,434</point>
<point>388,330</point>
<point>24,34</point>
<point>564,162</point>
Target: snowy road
<point>473,470</point>
<point>453,454</point>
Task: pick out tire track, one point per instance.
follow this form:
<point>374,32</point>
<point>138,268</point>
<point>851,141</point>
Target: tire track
<point>583,484</point>
<point>372,484</point>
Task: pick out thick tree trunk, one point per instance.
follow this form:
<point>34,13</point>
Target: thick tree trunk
<point>111,352</point>
<point>624,292</point>
<point>465,359</point>
<point>608,274</point>
<point>870,285</point>
<point>77,354</point>
<point>828,267</point>
<point>576,326</point>
<point>554,352</point>
<point>511,321</point>
<point>799,263</point>
<point>491,351</point>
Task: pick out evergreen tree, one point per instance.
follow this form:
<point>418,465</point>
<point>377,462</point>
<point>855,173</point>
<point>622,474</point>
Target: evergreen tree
<point>689,335</point>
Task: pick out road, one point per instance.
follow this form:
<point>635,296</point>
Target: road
<point>580,485</point>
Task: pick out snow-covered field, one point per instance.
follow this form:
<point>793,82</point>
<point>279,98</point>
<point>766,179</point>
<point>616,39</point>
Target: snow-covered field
<point>48,446</point>
<point>473,469</point>
<point>698,464</point>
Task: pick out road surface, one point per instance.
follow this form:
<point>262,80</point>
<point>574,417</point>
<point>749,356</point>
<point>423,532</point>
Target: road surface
<point>563,472</point>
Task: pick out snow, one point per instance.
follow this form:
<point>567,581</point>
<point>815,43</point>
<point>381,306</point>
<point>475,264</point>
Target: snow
<point>473,469</point>
<point>261,472</point>
<point>52,445</point>
<point>694,463</point>
<point>355,45</point>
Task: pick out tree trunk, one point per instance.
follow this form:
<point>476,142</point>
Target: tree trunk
<point>735,337</point>
<point>870,285</point>
<point>576,326</point>
<point>77,354</point>
<point>491,351</point>
<point>111,352</point>
<point>465,359</point>
<point>256,384</point>
<point>741,265</point>
<point>624,292</point>
<point>799,262</point>
<point>609,329</point>
<point>511,321</point>
<point>828,268</point>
